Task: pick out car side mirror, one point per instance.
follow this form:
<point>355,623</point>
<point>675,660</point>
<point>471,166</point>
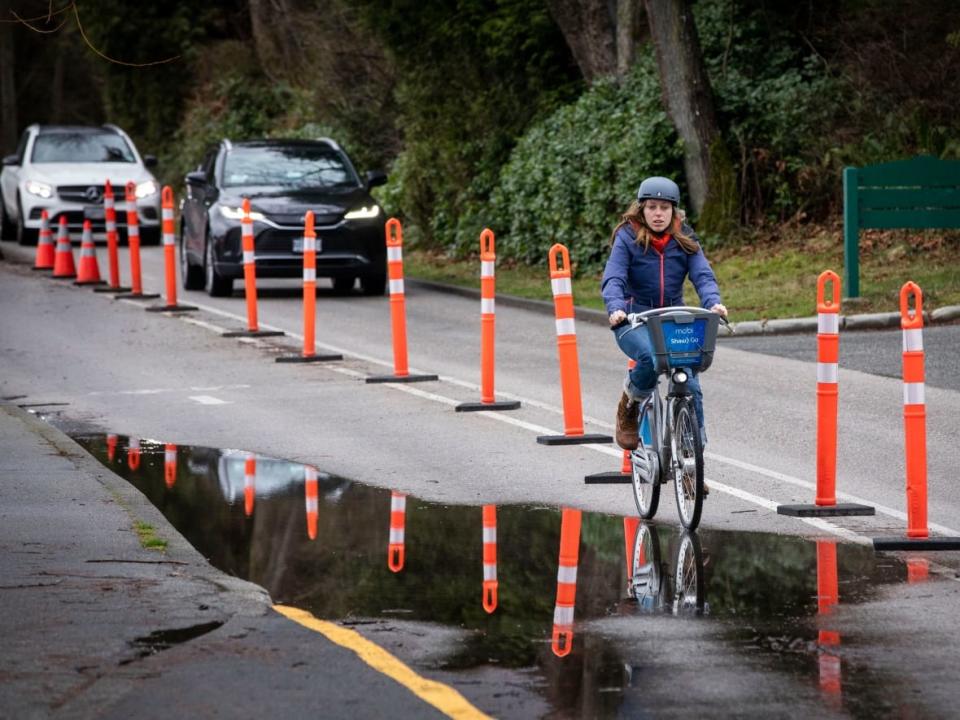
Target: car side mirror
<point>11,160</point>
<point>196,178</point>
<point>150,161</point>
<point>376,177</point>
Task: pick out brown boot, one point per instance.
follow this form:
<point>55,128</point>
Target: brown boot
<point>628,432</point>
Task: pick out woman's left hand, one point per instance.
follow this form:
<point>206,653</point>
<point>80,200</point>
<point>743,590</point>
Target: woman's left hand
<point>719,309</point>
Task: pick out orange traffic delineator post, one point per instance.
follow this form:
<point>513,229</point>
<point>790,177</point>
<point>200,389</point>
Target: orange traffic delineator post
<point>309,353</point>
<point>111,446</point>
<point>133,248</point>
<point>89,271</point>
<point>490,584</point>
<point>250,280</point>
<point>827,598</point>
<point>169,256</point>
<point>170,465</point>
<point>133,453</point>
<point>312,500</point>
<point>46,256</point>
<point>396,553</point>
<point>249,484</point>
<point>828,364</point>
<point>562,640</point>
<point>63,266</point>
<point>488,263</point>
<point>398,310</point>
<point>562,285</point>
<point>624,476</point>
<point>915,432</point>
<point>113,257</point>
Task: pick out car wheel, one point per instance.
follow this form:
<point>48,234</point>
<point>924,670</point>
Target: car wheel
<point>7,230</point>
<point>374,283</point>
<point>343,285</point>
<point>214,283</point>
<point>150,236</point>
<point>25,236</point>
<point>191,274</point>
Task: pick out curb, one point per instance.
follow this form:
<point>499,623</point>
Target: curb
<point>779,326</point>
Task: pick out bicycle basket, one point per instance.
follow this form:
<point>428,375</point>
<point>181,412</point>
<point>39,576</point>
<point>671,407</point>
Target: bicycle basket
<point>683,339</point>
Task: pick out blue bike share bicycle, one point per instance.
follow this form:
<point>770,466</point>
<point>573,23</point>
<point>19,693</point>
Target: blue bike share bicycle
<point>671,448</point>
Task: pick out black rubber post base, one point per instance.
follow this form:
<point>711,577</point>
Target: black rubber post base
<point>137,296</point>
<point>573,439</point>
<point>401,378</point>
<point>170,308</point>
<point>112,289</point>
<point>609,478</point>
<point>308,358</point>
<point>837,510</point>
<point>252,333</point>
<point>881,544</point>
<point>86,283</point>
<point>498,405</point>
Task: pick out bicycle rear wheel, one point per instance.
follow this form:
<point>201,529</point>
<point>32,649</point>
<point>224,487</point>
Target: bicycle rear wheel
<point>687,465</point>
<point>645,466</point>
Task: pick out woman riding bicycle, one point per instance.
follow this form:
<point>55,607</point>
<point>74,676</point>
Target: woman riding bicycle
<point>653,252</point>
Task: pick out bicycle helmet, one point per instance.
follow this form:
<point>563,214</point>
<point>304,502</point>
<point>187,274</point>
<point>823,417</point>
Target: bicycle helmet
<point>659,188</point>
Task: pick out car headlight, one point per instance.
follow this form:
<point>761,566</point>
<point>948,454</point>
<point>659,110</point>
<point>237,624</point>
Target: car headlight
<point>40,189</point>
<point>146,189</point>
<point>236,213</point>
<point>364,213</point>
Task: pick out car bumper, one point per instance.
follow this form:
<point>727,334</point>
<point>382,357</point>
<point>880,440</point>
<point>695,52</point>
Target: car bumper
<point>148,215</point>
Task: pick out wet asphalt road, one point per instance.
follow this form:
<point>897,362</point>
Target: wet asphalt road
<point>175,380</point>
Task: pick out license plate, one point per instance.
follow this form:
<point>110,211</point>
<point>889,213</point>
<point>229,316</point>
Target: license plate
<point>298,244</point>
<point>93,212</point>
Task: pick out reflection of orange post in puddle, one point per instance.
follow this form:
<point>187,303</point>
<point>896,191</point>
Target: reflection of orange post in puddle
<point>915,431</point>
<point>170,465</point>
<point>398,522</point>
<point>310,481</point>
<point>249,484</point>
<point>827,599</point>
<point>918,570</point>
<point>828,371</point>
<point>566,582</point>
<point>490,558</point>
<point>630,525</point>
<point>111,446</point>
<point>133,453</point>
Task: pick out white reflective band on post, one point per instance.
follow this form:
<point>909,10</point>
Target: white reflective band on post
<point>566,327</point>
<point>396,287</point>
<point>108,203</point>
<point>309,275</point>
<point>167,214</point>
<point>133,231</point>
<point>309,244</point>
<point>487,306</point>
<point>134,444</point>
<point>394,253</point>
<point>309,473</point>
<point>396,536</point>
<point>111,225</point>
<point>827,373</point>
<point>490,572</point>
<point>168,239</point>
<point>312,505</point>
<point>398,503</point>
<point>486,268</point>
<point>912,340</point>
<point>489,535</point>
<point>561,286</point>
<point>913,394</point>
<point>562,615</point>
<point>169,455</point>
<point>567,574</point>
<point>248,256</point>
<point>248,479</point>
<point>828,323</point>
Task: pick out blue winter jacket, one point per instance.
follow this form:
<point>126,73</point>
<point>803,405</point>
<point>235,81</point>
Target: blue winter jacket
<point>636,280</point>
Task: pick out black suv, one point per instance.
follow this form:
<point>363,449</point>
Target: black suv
<point>283,179</point>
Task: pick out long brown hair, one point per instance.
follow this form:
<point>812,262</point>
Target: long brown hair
<point>634,218</point>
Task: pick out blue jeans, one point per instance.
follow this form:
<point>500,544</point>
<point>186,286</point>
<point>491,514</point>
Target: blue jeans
<point>642,379</point>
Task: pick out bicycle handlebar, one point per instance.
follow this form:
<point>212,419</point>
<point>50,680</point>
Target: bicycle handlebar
<point>640,318</point>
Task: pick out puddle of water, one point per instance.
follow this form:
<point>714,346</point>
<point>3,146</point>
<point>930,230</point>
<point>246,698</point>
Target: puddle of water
<point>161,640</point>
<point>490,576</point>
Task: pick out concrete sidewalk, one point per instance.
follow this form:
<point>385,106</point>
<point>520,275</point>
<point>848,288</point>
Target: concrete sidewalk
<point>95,625</point>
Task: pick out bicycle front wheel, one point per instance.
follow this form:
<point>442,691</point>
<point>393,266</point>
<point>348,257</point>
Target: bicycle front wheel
<point>687,465</point>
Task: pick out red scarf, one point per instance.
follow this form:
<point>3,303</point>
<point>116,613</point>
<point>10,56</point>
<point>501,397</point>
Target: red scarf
<point>659,243</point>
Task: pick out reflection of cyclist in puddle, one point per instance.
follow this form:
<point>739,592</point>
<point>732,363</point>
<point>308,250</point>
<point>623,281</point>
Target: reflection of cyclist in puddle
<point>647,583</point>
<point>654,251</point>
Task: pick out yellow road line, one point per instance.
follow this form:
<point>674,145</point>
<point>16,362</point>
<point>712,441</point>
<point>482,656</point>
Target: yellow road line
<point>443,697</point>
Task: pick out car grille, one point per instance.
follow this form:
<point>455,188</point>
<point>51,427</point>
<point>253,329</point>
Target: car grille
<point>296,219</point>
<point>87,194</point>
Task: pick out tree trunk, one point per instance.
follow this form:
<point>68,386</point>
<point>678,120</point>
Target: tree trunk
<point>629,29</point>
<point>589,29</point>
<point>8,84</point>
<point>689,99</point>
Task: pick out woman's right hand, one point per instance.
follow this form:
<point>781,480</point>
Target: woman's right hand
<point>617,317</point>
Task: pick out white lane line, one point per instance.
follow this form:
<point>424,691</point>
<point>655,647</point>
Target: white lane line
<point>158,391</point>
<point>208,400</point>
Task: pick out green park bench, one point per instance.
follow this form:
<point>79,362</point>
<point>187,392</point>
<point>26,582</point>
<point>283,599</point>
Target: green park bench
<point>922,192</point>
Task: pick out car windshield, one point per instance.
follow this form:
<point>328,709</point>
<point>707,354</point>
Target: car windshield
<point>81,148</point>
<point>289,167</point>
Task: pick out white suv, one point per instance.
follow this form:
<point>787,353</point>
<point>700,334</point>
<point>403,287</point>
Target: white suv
<point>62,169</point>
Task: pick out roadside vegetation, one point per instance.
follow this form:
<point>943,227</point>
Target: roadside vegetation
<point>148,536</point>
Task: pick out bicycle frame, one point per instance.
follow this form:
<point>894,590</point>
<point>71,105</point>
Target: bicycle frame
<point>659,412</point>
